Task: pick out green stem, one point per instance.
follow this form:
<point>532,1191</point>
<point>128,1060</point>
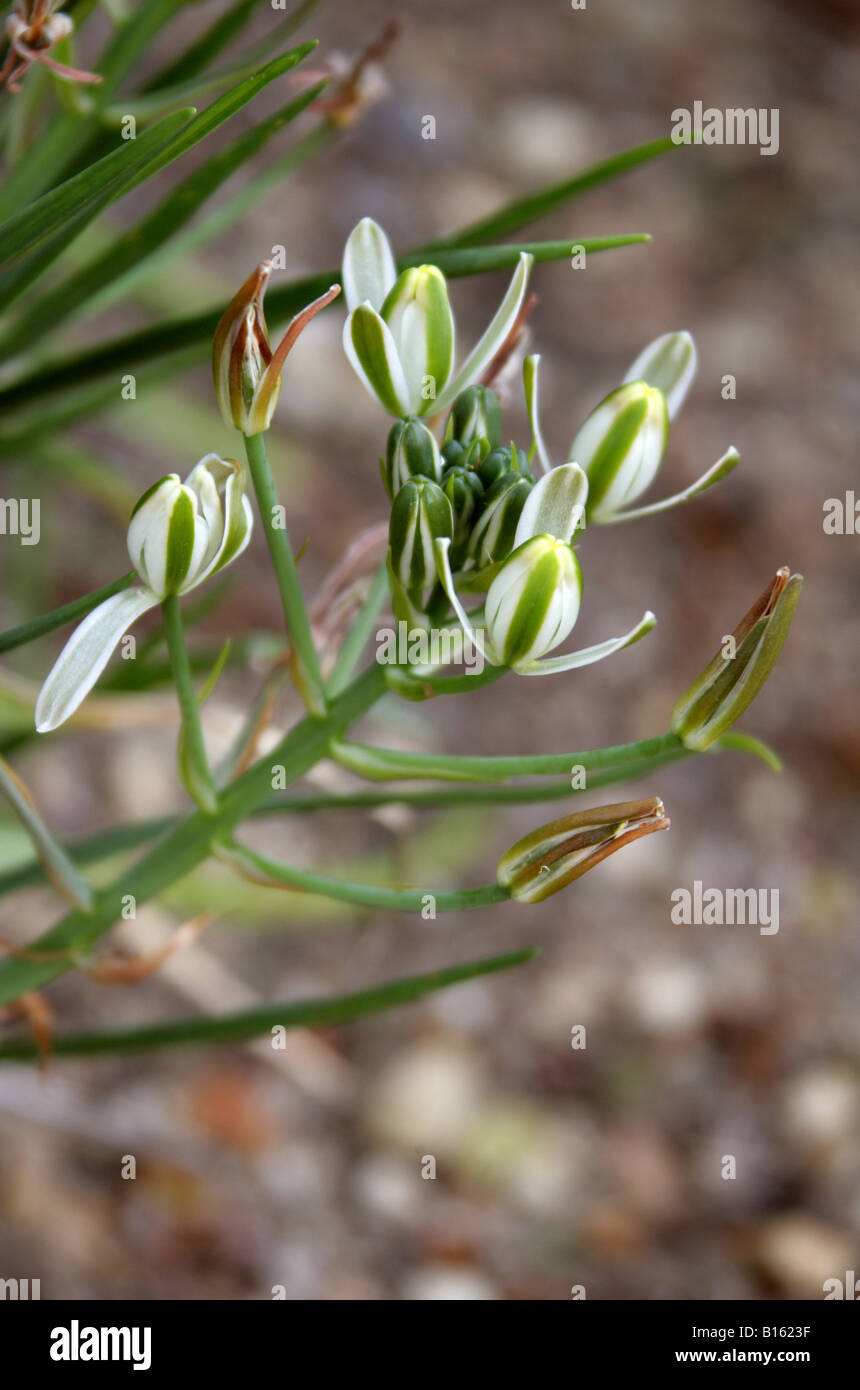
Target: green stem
<point>131,836</point>
<point>308,677</point>
<point>255,1023</point>
<point>386,764</point>
<point>410,686</point>
<point>194,761</point>
<point>359,634</point>
<point>188,843</point>
<point>272,873</point>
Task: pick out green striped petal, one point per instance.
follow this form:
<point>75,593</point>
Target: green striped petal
<point>418,312</point>
<point>369,344</point>
<point>485,350</point>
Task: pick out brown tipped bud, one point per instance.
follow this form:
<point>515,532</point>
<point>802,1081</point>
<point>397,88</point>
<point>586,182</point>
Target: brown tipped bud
<point>719,696</point>
<point>550,858</point>
<point>247,373</point>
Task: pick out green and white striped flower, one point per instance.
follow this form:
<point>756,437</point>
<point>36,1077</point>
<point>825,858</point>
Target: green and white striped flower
<point>533,600</point>
<point>246,372</point>
<point>421,515</point>
<point>179,535</point>
<point>400,333</point>
<point>621,444</point>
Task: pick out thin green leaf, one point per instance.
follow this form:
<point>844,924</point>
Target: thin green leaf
<point>219,36</point>
<point>58,617</point>
<point>254,1023</point>
<point>13,284</point>
<point>129,253</point>
<point>68,134</point>
<point>128,354</point>
<point>56,863</point>
<point>523,211</point>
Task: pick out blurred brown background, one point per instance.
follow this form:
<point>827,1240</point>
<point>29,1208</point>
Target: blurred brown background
<point>554,1167</point>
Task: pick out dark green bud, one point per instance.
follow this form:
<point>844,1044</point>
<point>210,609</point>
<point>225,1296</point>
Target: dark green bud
<point>475,414</point>
<point>411,452</point>
<point>420,515</point>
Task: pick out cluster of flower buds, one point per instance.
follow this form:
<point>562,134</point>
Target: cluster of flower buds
<point>719,696</point>
<point>179,535</point>
<point>550,858</point>
<point>399,334</point>
<point>473,509</point>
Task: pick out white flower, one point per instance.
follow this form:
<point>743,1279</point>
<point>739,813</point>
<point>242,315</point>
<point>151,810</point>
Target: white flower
<point>179,535</point>
<point>400,332</point>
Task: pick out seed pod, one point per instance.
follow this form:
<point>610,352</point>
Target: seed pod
<point>620,447</point>
<point>492,537</point>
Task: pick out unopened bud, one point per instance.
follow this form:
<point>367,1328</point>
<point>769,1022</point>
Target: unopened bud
<point>411,452</point>
<point>550,858</point>
<point>719,696</point>
<point>247,373</point>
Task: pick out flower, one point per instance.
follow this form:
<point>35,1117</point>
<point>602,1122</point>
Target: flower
<point>421,514</point>
<point>719,696</point>
<point>246,372</point>
<point>534,594</point>
<point>399,334</point>
<point>621,444</point>
<point>550,858</point>
<point>179,535</point>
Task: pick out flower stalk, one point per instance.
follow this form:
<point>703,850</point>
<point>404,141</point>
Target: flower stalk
<point>304,662</point>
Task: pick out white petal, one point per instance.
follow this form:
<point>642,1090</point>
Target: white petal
<point>530,382</point>
<point>555,506</point>
<point>487,347</point>
<point>369,269</point>
<point>669,363</point>
<point>86,654</point>
<point>389,363</point>
<point>553,664</point>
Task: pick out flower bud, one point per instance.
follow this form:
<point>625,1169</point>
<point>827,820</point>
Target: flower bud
<point>420,515</point>
<point>533,601</point>
<point>411,452</point>
<point>475,414</point>
<point>550,858</point>
<point>499,462</point>
<point>464,490</point>
<point>620,447</point>
<point>492,538</point>
<point>246,372</point>
<point>719,696</point>
<point>180,533</point>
